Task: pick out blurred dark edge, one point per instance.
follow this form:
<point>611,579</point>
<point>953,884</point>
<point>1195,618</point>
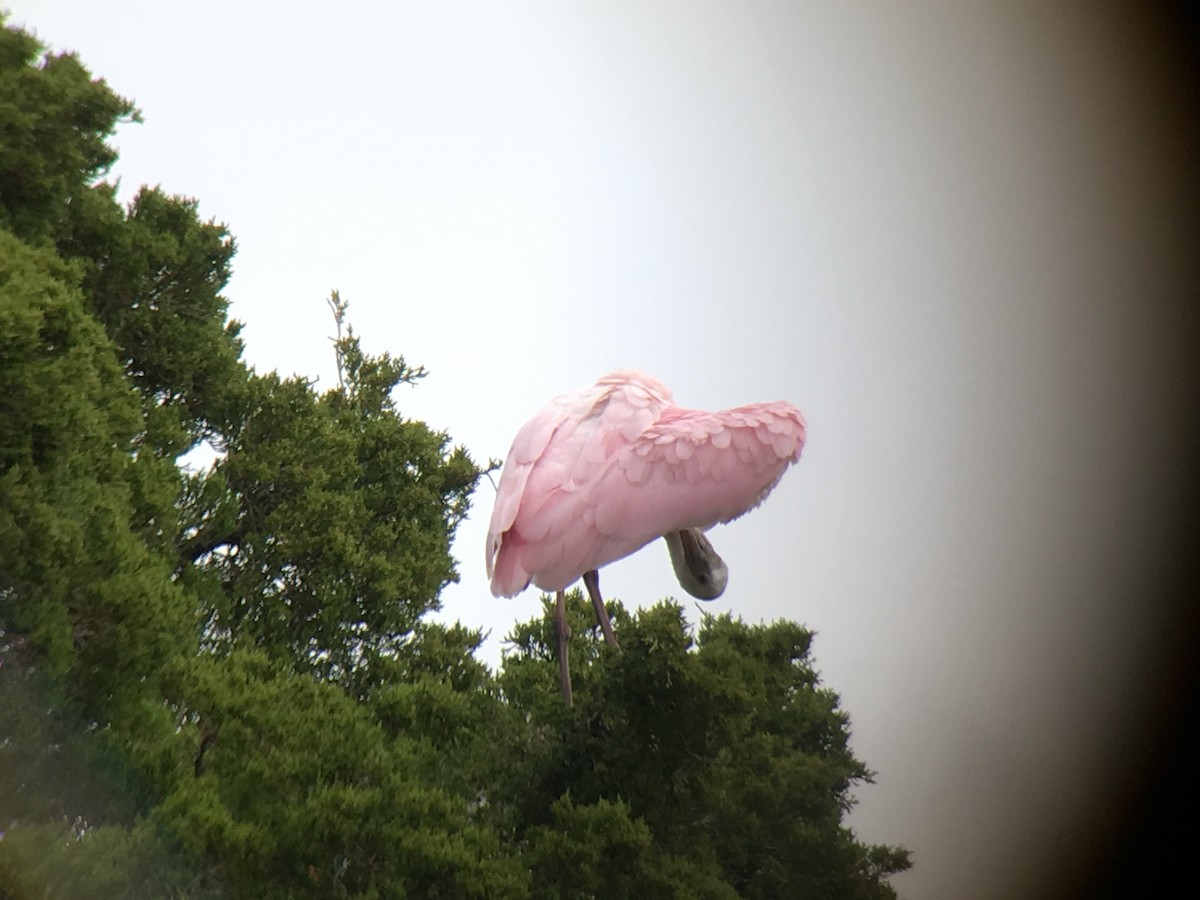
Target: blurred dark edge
<point>1148,846</point>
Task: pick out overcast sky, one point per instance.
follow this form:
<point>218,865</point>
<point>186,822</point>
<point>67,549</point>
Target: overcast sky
<point>961,237</point>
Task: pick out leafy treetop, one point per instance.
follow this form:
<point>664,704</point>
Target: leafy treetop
<point>223,683</point>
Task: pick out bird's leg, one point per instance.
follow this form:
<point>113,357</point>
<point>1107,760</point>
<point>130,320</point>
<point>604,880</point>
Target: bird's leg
<point>564,632</point>
<point>591,580</point>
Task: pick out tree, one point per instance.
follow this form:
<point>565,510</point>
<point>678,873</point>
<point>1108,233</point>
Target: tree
<point>76,579</point>
<point>325,529</point>
<point>223,684</point>
<point>301,791</point>
<point>56,124</point>
<point>116,356</point>
<point>721,760</point>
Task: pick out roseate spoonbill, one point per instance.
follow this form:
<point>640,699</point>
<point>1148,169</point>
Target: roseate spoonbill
<point>600,473</point>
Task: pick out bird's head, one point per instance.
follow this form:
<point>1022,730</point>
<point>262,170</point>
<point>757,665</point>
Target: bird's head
<point>699,568</point>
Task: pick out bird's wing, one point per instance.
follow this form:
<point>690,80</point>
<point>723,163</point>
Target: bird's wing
<point>695,469</point>
<point>527,448</point>
<point>616,481</point>
<point>553,458</point>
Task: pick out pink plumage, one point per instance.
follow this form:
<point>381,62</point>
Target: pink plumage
<point>599,473</point>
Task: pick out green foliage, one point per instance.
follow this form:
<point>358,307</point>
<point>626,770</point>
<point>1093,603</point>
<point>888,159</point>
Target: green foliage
<point>56,121</point>
<point>222,684</point>
<point>300,790</point>
<point>328,523</point>
<point>109,862</point>
<point>589,851</point>
<point>153,276</point>
<point>726,748</point>
<point>91,594</point>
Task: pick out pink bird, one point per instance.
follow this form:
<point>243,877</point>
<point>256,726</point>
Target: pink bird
<point>601,472</point>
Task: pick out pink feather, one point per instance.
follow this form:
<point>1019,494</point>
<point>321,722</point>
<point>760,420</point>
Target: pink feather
<point>599,473</point>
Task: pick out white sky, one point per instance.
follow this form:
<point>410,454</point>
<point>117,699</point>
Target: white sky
<point>958,238</point>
